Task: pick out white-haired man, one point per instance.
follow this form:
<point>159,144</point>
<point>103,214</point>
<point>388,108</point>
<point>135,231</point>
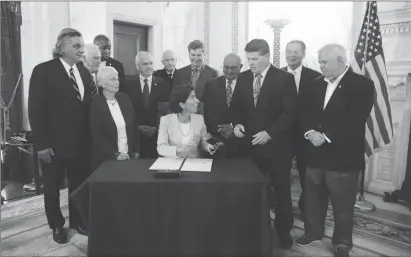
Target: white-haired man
<point>58,107</point>
<point>92,60</point>
<point>145,94</point>
<point>169,61</point>
<point>333,121</point>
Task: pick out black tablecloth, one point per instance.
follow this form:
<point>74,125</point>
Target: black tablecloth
<point>219,213</point>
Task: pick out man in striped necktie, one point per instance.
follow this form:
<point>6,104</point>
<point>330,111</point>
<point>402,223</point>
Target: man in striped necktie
<point>92,61</point>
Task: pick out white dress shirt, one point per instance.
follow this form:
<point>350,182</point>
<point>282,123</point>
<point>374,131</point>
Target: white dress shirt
<point>149,79</point>
<point>328,93</point>
<point>120,124</point>
<point>77,75</point>
<point>332,86</point>
<point>297,75</point>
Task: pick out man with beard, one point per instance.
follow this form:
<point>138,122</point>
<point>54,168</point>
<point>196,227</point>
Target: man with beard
<point>105,48</point>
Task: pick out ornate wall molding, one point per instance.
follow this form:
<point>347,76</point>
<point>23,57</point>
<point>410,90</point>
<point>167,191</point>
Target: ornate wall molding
<point>206,31</point>
<point>396,28</point>
<point>395,16</point>
<point>234,29</point>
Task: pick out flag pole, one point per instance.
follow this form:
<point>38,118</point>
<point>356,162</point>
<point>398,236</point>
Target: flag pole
<point>362,204</point>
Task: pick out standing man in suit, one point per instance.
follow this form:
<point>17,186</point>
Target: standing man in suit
<point>92,61</point>
<point>145,94</point>
<point>169,61</point>
<point>303,76</point>
<point>197,73</point>
<point>334,117</point>
<point>59,98</point>
<point>218,96</point>
<point>104,44</point>
<point>264,111</point>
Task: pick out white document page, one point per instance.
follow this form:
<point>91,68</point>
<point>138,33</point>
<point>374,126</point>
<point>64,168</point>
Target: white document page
<point>193,164</point>
<point>167,163</point>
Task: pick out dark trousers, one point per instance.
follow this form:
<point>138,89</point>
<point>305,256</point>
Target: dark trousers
<point>148,146</point>
<point>341,188</point>
<point>301,201</point>
<point>77,170</point>
<point>277,173</point>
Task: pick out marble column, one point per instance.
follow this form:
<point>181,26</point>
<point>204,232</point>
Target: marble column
<point>277,25</point>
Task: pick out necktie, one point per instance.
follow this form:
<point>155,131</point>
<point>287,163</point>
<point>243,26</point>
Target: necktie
<point>295,78</point>
<point>73,79</point>
<point>93,87</point>
<point>229,92</point>
<point>257,87</point>
<point>194,77</point>
<point>170,76</point>
<point>146,93</point>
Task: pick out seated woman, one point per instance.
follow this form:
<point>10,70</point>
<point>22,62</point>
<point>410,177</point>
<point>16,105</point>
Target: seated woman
<point>182,132</point>
<point>113,124</point>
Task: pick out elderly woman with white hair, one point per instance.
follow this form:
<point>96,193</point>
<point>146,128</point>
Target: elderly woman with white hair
<point>113,122</point>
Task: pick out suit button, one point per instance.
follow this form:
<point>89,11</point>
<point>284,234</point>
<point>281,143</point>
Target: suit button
<point>319,126</point>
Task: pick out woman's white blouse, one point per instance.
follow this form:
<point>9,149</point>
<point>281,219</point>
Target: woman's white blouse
<point>121,125</point>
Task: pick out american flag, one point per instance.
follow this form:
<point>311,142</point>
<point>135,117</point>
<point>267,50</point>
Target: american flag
<point>369,61</point>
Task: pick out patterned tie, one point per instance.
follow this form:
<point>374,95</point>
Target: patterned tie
<point>93,87</point>
<point>73,79</point>
<point>229,92</point>
<point>146,93</point>
<point>170,76</point>
<point>257,87</point>
<point>194,77</point>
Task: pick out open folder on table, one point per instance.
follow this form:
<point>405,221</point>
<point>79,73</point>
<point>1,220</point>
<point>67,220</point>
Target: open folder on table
<point>167,163</point>
<point>190,164</point>
<point>193,164</point>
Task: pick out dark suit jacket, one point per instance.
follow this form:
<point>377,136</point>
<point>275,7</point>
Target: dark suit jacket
<point>307,77</point>
<point>162,74</point>
<point>342,121</point>
<point>104,129</point>
<point>119,68</point>
<point>57,118</point>
<point>160,92</point>
<point>217,112</point>
<point>275,111</point>
<point>183,76</point>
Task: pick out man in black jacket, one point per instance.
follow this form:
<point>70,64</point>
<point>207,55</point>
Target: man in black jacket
<point>264,111</point>
<point>218,96</point>
<point>303,76</point>
<point>59,98</point>
<point>169,61</point>
<point>333,121</point>
<point>104,44</point>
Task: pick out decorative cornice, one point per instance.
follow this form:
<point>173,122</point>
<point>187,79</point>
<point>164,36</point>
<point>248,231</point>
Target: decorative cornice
<point>206,30</point>
<point>395,16</point>
<point>234,28</point>
<point>396,28</point>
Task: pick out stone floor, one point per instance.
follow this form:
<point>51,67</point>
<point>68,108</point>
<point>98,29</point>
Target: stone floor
<point>385,232</point>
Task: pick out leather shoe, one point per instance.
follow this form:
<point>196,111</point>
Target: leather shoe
<point>59,235</point>
<point>82,230</point>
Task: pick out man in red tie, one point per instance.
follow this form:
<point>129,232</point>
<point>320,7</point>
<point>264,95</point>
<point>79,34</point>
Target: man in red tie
<point>145,93</point>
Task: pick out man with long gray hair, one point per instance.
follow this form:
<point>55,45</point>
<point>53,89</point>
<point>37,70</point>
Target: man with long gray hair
<point>58,102</point>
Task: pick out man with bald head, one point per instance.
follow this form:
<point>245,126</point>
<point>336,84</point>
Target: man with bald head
<point>218,95</point>
<point>333,121</point>
<point>104,44</point>
<point>145,94</point>
<point>92,60</point>
<point>169,61</point>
